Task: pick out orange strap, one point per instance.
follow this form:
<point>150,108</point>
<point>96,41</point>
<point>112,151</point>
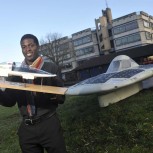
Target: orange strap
<point>37,63</point>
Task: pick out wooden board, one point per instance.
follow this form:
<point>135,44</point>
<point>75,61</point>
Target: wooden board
<point>32,87</point>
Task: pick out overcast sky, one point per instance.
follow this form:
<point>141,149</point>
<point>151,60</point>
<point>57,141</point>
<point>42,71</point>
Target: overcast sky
<point>40,17</point>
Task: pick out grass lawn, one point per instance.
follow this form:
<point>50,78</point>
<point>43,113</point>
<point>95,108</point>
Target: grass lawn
<point>9,121</point>
<point>124,127</point>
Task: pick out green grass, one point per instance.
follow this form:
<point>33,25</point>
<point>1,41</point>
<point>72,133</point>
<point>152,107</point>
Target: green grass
<point>124,127</point>
<point>9,121</point>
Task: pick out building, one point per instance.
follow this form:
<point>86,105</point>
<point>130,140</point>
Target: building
<point>100,64</point>
<point>129,31</point>
<point>70,52</point>
<point>110,37</point>
<point>104,32</point>
<point>132,30</point>
<point>85,45</point>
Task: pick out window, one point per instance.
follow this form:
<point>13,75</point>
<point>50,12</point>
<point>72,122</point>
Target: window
<point>125,27</point>
<point>116,30</point>
<point>124,40</point>
<point>88,50</point>
<point>109,32</point>
<point>84,51</point>
<point>99,26</point>
<point>118,42</point>
<point>131,26</point>
<point>112,43</point>
<point>136,37</point>
<point>151,25</point>
<point>66,66</point>
<point>67,56</point>
<point>128,39</point>
<point>146,24</point>
<point>64,46</point>
<point>64,57</point>
<point>100,37</point>
<point>82,40</point>
<point>79,52</point>
<point>148,35</point>
<point>122,29</point>
<point>86,39</point>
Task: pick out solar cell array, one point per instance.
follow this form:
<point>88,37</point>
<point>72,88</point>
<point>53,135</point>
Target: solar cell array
<point>102,78</point>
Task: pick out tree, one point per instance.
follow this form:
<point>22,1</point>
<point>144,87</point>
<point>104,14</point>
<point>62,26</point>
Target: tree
<point>60,50</point>
<point>55,48</point>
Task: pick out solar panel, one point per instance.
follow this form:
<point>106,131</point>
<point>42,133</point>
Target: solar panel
<point>102,78</point>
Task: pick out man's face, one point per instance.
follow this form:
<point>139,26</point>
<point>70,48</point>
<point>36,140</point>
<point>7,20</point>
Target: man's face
<point>29,50</point>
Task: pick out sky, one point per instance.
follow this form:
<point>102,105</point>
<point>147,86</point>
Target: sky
<point>41,17</point>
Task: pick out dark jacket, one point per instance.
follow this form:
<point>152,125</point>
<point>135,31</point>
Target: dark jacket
<point>44,102</point>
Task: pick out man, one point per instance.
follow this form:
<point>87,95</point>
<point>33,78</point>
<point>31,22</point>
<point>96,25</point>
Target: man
<point>40,128</point>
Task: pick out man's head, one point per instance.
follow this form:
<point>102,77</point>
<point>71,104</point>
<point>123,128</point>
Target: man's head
<point>30,45</point>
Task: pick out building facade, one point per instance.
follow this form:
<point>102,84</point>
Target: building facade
<point>132,30</point>
<point>109,36</point>
<point>129,31</point>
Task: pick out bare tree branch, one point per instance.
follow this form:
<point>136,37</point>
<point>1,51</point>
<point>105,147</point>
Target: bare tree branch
<point>49,47</point>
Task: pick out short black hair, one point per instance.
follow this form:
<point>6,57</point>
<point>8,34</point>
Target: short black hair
<point>30,36</point>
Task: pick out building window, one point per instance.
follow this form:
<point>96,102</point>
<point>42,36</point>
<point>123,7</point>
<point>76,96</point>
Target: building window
<point>82,40</point>
<point>66,66</point>
<point>84,51</point>
<point>146,24</point>
<point>112,43</point>
<point>128,39</point>
<point>148,35</point>
<point>64,57</point>
<point>118,42</point>
<point>131,26</point>
<point>151,25</point>
<point>124,40</point>
<point>64,46</point>
<point>100,37</point>
<point>136,37</point>
<point>67,56</point>
<point>122,29</point>
<point>79,52</point>
<point>125,27</point>
<point>109,32</point>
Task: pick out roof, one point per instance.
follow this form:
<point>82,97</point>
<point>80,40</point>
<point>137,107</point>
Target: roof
<point>106,59</point>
